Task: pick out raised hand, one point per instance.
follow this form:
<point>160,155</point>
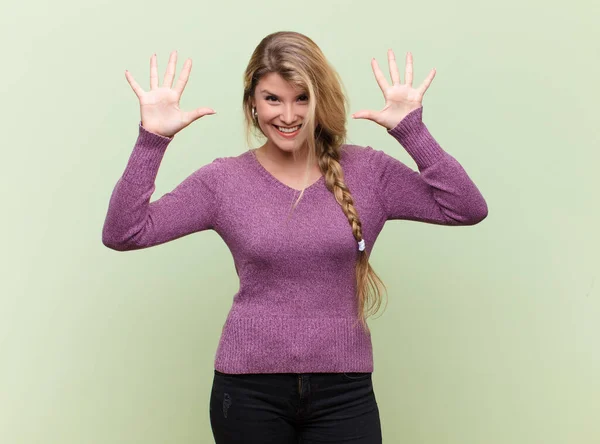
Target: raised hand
<point>400,98</point>
<point>159,107</point>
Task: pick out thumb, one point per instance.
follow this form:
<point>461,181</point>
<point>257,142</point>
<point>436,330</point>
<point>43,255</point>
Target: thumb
<point>191,116</point>
<point>364,114</point>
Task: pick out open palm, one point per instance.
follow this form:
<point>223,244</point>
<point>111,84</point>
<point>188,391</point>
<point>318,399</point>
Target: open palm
<point>400,98</point>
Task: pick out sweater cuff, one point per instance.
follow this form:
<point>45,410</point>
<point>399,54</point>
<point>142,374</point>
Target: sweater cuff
<point>414,136</point>
<point>146,157</point>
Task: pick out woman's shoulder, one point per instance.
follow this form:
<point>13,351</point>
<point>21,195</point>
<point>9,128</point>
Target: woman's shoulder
<point>351,154</point>
<point>232,161</point>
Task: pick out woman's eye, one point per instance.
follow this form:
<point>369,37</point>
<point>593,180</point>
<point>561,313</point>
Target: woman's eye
<point>303,97</point>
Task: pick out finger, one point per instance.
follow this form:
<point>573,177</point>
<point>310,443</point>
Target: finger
<point>170,73</point>
<point>153,73</point>
<point>381,81</point>
<point>393,68</point>
<point>409,68</point>
<point>427,82</point>
<point>137,89</point>
<point>183,77</point>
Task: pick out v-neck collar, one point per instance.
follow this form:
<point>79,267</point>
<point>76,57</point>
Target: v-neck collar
<point>276,181</point>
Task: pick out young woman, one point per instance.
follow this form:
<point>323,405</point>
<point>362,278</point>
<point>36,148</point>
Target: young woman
<point>300,215</point>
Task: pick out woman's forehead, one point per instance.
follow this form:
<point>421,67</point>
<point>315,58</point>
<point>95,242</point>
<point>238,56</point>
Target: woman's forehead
<point>275,84</point>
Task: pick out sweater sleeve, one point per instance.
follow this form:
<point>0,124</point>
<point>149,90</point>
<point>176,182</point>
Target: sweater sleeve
<point>440,193</point>
<point>133,222</point>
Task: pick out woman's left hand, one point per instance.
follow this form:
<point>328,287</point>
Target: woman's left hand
<point>400,99</point>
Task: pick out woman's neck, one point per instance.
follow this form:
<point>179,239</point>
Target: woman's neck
<point>278,159</point>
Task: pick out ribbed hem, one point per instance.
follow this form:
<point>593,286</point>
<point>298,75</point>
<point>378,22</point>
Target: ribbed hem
<point>293,345</point>
<point>146,157</point>
<point>412,133</point>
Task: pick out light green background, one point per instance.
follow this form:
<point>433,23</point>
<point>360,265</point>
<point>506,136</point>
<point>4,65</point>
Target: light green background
<point>491,332</point>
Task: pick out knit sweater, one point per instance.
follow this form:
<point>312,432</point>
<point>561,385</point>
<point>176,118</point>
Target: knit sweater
<point>295,311</point>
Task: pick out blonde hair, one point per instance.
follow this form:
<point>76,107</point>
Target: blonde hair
<point>299,61</point>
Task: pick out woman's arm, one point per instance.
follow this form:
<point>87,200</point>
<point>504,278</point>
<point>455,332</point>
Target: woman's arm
<point>132,222</point>
<point>440,193</point>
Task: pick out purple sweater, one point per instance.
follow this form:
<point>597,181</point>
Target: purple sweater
<point>295,308</point>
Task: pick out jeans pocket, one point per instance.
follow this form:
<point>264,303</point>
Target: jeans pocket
<point>356,376</point>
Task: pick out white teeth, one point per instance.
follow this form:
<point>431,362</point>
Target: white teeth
<point>288,130</point>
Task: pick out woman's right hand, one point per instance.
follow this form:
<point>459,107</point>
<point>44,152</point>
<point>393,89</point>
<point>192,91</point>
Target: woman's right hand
<point>159,107</point>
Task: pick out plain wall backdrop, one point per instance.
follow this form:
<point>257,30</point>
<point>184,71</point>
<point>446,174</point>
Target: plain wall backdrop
<point>491,332</point>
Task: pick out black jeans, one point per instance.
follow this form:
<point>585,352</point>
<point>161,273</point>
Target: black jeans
<point>282,408</point>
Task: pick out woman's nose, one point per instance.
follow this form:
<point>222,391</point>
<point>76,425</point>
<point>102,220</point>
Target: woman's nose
<point>289,115</point>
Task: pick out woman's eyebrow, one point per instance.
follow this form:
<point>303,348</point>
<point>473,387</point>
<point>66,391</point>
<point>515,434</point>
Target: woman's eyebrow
<point>265,91</point>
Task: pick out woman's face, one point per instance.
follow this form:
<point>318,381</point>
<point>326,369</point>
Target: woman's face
<point>279,104</point>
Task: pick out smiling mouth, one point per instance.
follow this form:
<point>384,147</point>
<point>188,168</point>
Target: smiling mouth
<point>286,129</point>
